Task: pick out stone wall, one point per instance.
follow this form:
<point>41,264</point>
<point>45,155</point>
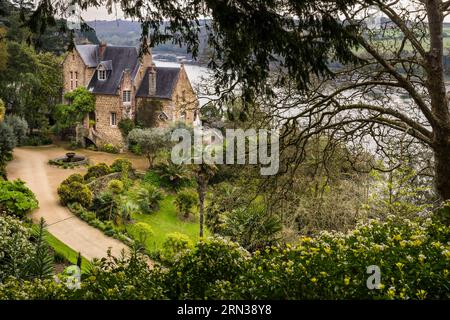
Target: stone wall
<point>127,84</point>
<point>104,106</point>
<point>73,63</point>
<point>89,73</point>
<point>184,98</point>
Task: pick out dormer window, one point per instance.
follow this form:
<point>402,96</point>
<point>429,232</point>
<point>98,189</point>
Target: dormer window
<point>102,68</point>
<point>101,75</point>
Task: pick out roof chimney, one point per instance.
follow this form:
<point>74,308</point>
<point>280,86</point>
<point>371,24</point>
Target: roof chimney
<point>152,80</point>
<point>101,49</point>
<point>147,60</point>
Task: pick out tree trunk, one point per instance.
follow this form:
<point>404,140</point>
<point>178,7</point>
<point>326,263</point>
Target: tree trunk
<point>201,197</point>
<point>442,170</point>
<point>439,102</point>
<point>202,204</point>
<point>150,160</point>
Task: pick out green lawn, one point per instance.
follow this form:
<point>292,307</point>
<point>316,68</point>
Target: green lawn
<point>65,251</point>
<point>163,222</point>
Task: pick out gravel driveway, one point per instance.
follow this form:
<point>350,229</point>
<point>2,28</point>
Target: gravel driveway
<point>30,165</point>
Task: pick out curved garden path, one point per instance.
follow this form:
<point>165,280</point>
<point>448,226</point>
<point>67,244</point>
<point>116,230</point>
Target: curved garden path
<point>30,165</point>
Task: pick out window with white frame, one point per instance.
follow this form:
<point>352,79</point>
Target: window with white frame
<point>101,74</point>
<point>113,119</point>
<point>71,80</point>
<point>127,96</point>
<point>76,79</point>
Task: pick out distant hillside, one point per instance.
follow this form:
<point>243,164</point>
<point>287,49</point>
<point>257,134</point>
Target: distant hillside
<point>55,39</point>
<point>124,32</point>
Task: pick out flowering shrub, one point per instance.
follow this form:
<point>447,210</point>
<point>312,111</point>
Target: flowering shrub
<point>174,246</point>
<point>413,257</point>
<point>16,249</point>
<point>142,229</point>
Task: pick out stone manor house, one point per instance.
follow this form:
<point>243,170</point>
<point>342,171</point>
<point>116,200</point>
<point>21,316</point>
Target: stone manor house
<point>126,86</point>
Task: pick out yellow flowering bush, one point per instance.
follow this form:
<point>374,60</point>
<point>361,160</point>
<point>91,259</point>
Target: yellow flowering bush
<point>413,257</point>
<point>330,266</point>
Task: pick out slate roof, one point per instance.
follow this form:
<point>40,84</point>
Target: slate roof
<point>116,60</point>
<point>122,58</point>
<point>166,79</point>
<point>89,54</point>
<point>106,64</point>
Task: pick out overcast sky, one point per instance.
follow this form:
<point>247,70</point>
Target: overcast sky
<point>100,14</point>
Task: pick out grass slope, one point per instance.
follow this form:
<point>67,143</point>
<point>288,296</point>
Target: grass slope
<point>163,222</point>
<point>68,253</point>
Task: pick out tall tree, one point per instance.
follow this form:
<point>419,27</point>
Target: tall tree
<point>203,172</point>
<point>31,84</point>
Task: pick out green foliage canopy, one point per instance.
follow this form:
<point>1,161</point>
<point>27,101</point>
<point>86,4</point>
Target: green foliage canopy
<point>19,126</point>
<point>151,141</point>
<point>8,140</point>
<point>96,171</point>
<point>16,198</point>
<point>31,84</point>
<point>413,257</point>
<point>81,102</point>
<point>75,192</point>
